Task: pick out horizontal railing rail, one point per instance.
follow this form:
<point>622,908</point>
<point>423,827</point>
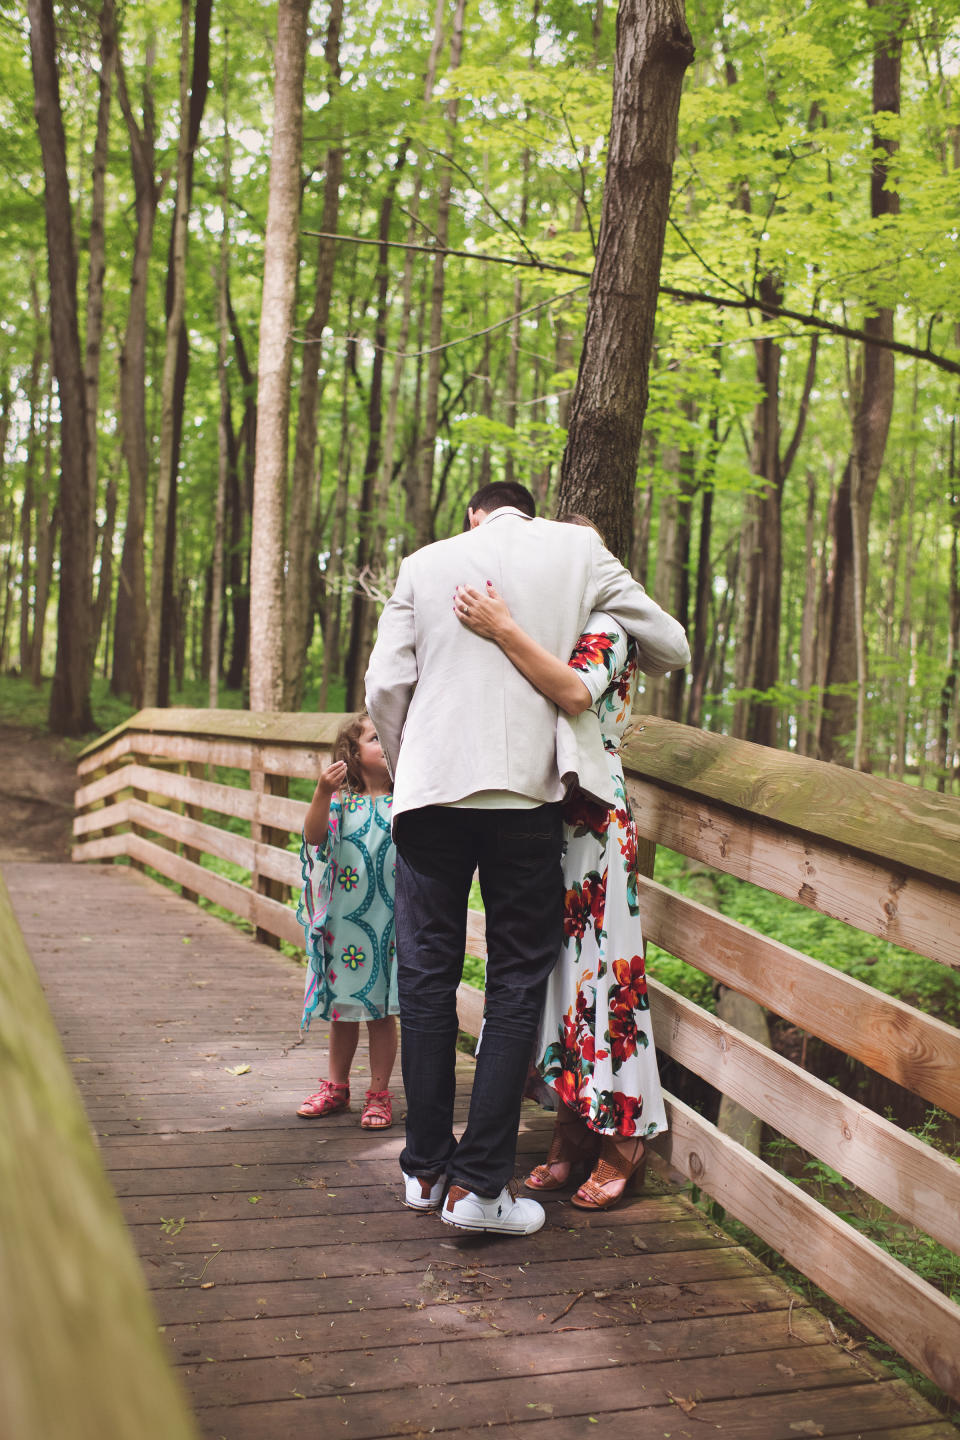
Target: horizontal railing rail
<point>163,790</point>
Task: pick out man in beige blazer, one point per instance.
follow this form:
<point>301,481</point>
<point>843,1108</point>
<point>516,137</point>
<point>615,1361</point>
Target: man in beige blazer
<point>472,748</point>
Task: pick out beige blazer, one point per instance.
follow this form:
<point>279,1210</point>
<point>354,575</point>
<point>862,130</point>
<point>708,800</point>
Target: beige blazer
<point>453,714</point>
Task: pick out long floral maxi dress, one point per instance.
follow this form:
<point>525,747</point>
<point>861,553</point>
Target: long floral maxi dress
<point>596,1042</point>
<point>346,910</point>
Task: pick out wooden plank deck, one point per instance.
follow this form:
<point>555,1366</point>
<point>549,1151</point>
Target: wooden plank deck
<point>298,1297</point>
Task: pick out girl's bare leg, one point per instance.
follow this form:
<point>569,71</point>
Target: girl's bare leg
<point>382,1040</point>
<point>344,1035</point>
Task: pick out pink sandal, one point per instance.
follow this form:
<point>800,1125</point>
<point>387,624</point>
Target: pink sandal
<point>326,1101</point>
<point>377,1113</point>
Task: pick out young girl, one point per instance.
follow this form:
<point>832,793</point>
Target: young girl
<point>346,910</point>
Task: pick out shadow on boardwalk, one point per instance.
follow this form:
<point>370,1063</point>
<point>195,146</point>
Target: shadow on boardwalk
<point>297,1295</point>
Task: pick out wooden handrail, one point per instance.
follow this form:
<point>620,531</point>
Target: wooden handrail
<point>80,1349</point>
<point>881,856</point>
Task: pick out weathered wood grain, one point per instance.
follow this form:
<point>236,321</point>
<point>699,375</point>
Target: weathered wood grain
<point>917,1182</point>
<point>78,1340</point>
<point>296,1226</point>
<point>917,1320</point>
<point>916,1050</point>
<point>244,804</point>
<point>865,813</point>
<point>881,897</point>
<point>300,728</point>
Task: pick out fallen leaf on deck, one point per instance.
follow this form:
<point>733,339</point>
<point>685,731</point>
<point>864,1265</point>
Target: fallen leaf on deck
<point>686,1405</point>
<point>237,1069</point>
<point>806,1427</point>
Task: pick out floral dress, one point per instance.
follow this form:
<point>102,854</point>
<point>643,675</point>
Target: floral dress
<point>346,910</point>
<point>596,1042</point>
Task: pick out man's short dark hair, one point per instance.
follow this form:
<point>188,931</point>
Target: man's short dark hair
<point>500,493</point>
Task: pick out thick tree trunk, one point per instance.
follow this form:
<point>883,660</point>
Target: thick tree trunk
<point>843,712</point>
<point>273,389</point>
<point>70,712</point>
<point>599,469</point>
<point>130,620</point>
<point>299,558</point>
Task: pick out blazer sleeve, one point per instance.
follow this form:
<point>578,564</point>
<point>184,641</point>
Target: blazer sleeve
<point>392,673</point>
<point>662,640</point>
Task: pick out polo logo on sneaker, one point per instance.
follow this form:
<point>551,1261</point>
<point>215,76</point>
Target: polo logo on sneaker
<point>499,1211</point>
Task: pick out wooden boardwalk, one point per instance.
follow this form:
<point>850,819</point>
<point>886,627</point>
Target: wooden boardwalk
<point>298,1297</point>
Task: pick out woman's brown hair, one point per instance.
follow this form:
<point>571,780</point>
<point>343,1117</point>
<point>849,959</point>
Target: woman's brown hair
<point>571,517</point>
<point>346,747</point>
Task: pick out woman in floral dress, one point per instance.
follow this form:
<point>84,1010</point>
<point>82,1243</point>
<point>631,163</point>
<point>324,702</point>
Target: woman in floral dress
<point>596,1042</point>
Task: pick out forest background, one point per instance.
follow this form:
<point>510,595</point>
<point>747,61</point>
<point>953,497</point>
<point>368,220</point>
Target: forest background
<point>796,495</point>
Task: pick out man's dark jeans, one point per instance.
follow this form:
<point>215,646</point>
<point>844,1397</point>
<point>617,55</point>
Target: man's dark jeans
<point>517,853</point>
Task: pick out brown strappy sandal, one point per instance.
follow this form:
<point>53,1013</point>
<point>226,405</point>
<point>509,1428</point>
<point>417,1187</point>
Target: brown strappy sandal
<point>612,1166</point>
<point>574,1144</point>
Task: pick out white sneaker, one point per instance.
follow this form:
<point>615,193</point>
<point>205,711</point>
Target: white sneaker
<point>422,1194</point>
<point>504,1214</point>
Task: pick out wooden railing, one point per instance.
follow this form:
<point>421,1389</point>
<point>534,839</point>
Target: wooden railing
<point>80,1355</point>
<point>882,856</point>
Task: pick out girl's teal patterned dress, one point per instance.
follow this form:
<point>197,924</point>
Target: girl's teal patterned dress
<point>596,1042</point>
<point>346,910</point>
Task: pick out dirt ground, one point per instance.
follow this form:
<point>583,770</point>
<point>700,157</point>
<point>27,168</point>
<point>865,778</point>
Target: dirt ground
<point>38,775</point>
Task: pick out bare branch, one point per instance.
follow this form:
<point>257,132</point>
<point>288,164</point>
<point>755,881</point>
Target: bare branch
<point>690,297</point>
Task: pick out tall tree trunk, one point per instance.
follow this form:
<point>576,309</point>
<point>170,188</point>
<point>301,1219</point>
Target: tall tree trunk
<point>273,389</point>
<point>97,260</point>
<point>101,605</point>
<point>422,509</point>
<point>70,712</point>
<point>34,431</point>
<point>298,588</point>
<point>199,83</point>
<point>240,508</point>
<point>599,469</point>
<point>49,524</point>
<point>362,607</point>
<point>806,728</point>
<point>215,577</point>
<point>846,656</point>
<point>950,692</point>
<point>178,269</point>
<point>130,619</point>
<point>338,531</point>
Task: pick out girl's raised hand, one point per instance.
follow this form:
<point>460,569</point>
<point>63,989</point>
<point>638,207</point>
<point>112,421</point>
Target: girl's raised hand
<point>331,777</point>
<point>484,612</point>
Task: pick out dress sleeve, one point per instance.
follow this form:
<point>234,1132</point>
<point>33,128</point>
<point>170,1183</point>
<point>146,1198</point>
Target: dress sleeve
<point>317,867</point>
<point>600,653</point>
